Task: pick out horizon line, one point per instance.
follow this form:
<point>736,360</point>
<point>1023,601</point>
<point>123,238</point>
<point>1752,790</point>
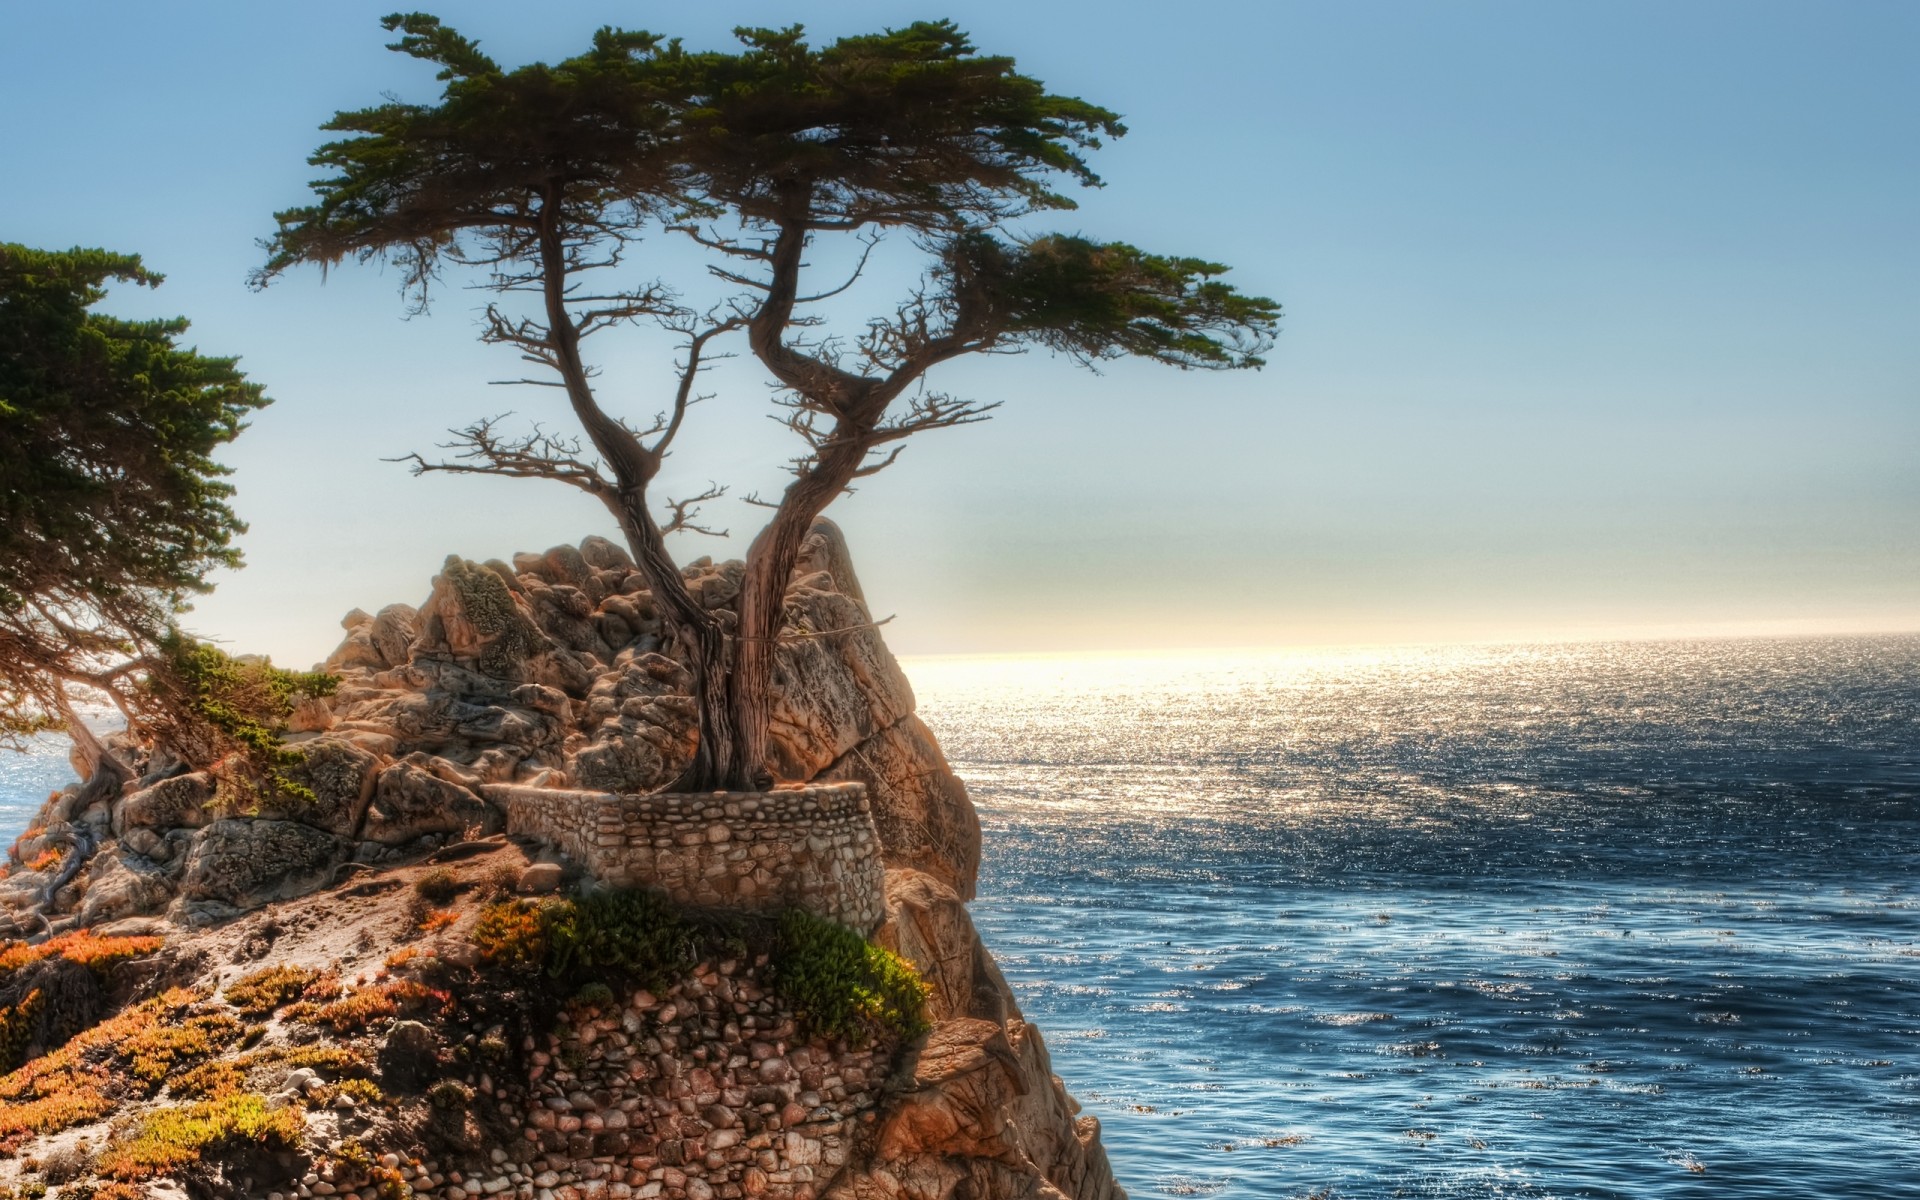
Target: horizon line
<point>1643,634</point>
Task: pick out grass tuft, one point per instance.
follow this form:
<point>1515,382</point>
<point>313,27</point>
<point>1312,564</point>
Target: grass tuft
<point>263,992</point>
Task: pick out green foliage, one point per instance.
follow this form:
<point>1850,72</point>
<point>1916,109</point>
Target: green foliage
<point>636,934</point>
<point>412,178</point>
<point>907,127</point>
<point>244,701</point>
<point>843,985</point>
<point>112,508</point>
<point>1106,300</point>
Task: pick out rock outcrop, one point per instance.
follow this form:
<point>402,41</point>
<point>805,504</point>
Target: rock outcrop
<point>550,672</point>
<point>546,674</point>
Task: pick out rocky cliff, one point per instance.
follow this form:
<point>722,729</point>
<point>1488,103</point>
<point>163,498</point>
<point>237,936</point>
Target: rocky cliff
<point>324,989</point>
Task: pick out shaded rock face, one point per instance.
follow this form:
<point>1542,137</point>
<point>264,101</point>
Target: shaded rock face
<point>978,1111</point>
<point>920,807</point>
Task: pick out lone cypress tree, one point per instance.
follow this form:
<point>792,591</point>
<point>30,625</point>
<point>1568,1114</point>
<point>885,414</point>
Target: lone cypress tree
<point>542,174</point>
<point>542,178</point>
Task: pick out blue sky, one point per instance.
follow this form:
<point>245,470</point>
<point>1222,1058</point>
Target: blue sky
<point>1601,318</point>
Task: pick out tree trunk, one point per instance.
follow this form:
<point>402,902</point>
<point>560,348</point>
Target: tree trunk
<point>763,604</point>
<point>703,639</point>
<point>633,467</point>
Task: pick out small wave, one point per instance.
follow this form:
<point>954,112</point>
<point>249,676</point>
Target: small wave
<point>1186,1185</point>
<point>1359,1018</point>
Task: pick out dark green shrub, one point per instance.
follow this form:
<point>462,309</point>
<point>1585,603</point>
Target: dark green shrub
<point>636,934</point>
<point>840,984</point>
<point>843,985</point>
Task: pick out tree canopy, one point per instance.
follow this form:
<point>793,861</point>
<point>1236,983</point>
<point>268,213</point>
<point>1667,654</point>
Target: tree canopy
<point>112,507</point>
<point>541,175</point>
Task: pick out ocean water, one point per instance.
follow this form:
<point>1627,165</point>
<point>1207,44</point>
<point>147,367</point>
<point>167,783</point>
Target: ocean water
<point>1628,920</point>
<point>1615,920</point>
<point>26,780</point>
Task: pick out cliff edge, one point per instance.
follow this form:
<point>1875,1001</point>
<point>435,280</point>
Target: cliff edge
<point>470,951</point>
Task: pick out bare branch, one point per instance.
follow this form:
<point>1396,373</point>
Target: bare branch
<point>869,241</point>
<point>932,411</point>
<point>874,468</point>
<point>739,280</point>
<point>714,241</point>
<point>684,397</point>
<point>480,450</point>
<point>685,510</point>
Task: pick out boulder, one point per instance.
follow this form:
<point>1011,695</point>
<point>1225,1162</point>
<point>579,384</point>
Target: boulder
<point>246,863</point>
<point>834,690</point>
<point>409,1056</point>
<point>180,802</point>
<point>540,878</point>
<point>392,633</point>
<point>409,801</point>
<point>474,618</point>
<point>603,555</point>
<point>117,889</point>
<point>338,777</point>
<point>565,614</point>
<point>566,565</point>
<point>530,564</point>
<point>357,651</point>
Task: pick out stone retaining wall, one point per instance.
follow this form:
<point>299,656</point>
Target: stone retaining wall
<point>812,847</point>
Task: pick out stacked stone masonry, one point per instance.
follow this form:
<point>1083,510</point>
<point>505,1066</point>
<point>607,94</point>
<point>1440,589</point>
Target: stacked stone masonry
<point>708,1091</point>
<point>809,847</point>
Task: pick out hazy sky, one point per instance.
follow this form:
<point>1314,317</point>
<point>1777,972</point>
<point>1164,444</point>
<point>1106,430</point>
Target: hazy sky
<point>1600,318</point>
